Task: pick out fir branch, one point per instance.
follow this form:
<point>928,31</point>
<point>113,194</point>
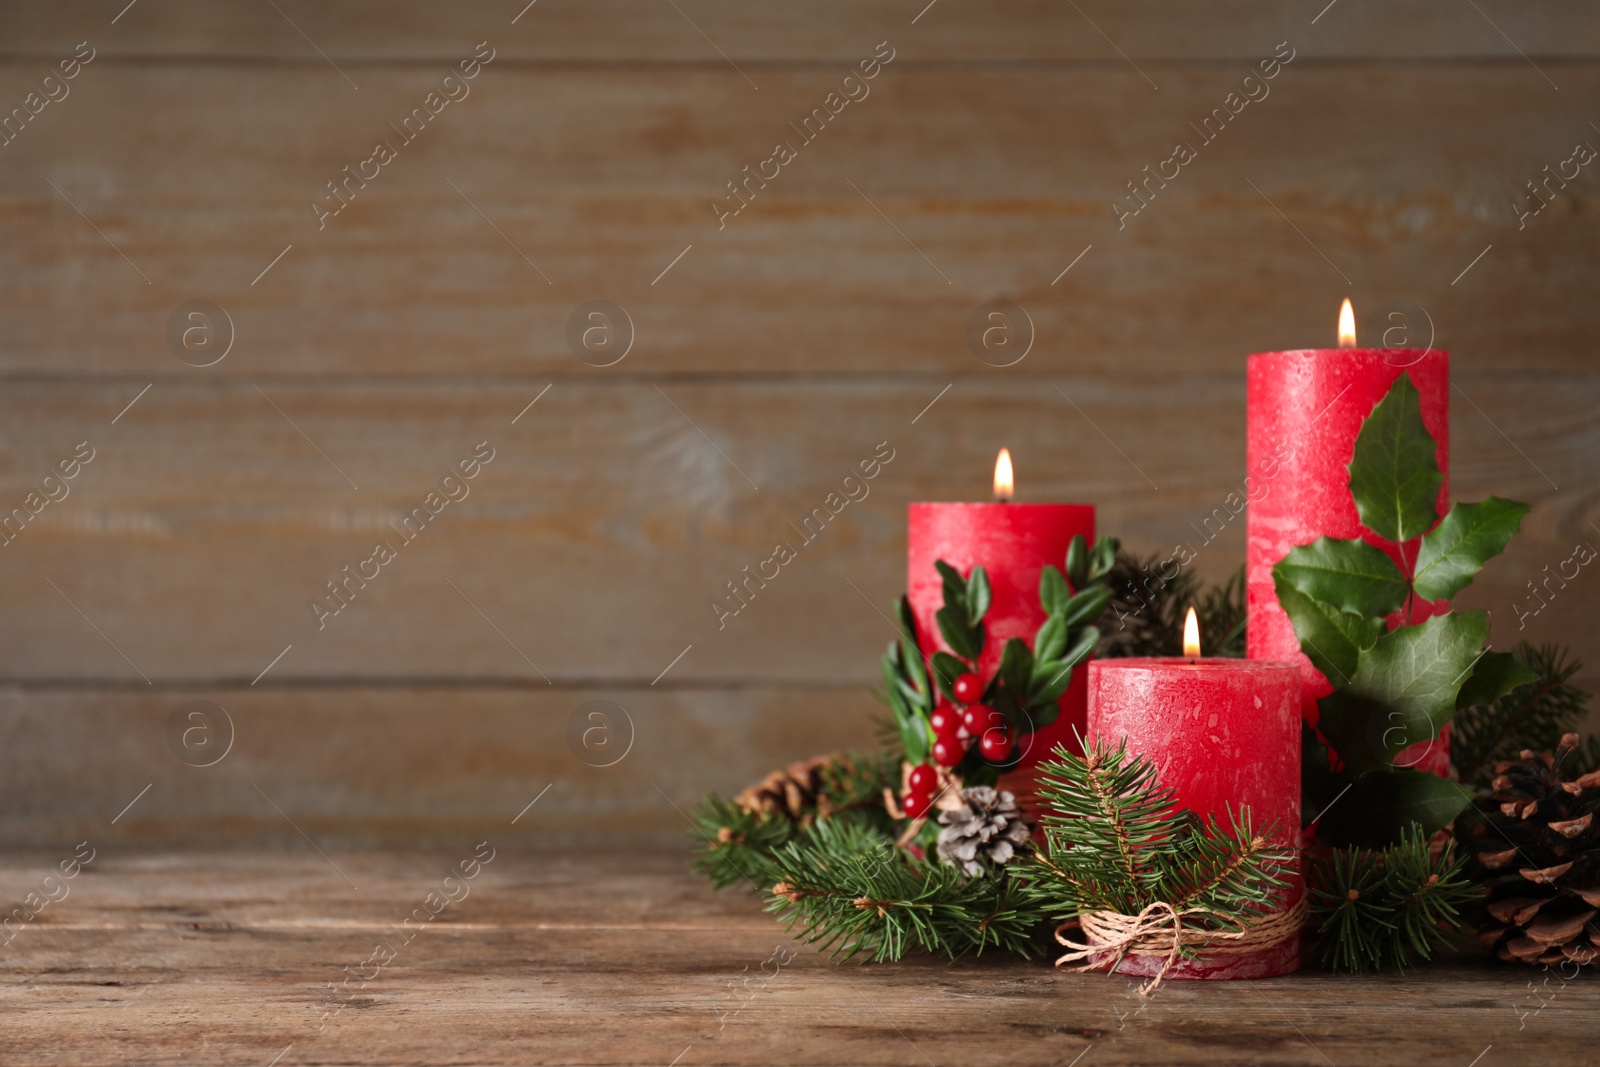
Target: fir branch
<point>1115,843</point>
<point>1224,870</point>
<point>1104,816</point>
<point>1532,716</point>
<point>852,891</point>
<point>1388,909</point>
<point>735,844</point>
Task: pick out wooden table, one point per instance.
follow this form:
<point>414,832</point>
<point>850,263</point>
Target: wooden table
<point>227,958</point>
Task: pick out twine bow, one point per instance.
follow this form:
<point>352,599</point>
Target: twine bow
<point>1163,930</point>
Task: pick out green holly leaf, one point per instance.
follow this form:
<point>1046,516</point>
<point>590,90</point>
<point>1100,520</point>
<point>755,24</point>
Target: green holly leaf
<point>1051,677</point>
<point>1394,473</point>
<point>1087,605</point>
<point>1366,734</point>
<point>1041,715</point>
<point>978,595</point>
<point>1330,638</point>
<point>1378,808</point>
<point>1453,553</point>
<point>954,585</point>
<point>1051,639</point>
<point>963,640</point>
<point>1417,671</point>
<point>1495,675</point>
<point>1078,561</point>
<point>1016,668</point>
<point>1104,557</point>
<point>1346,575</point>
<point>1080,643</point>
<point>909,721</point>
<point>1053,591</point>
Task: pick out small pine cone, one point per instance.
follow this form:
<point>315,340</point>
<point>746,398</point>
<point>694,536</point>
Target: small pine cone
<point>790,792</point>
<point>987,828</point>
<point>1543,902</point>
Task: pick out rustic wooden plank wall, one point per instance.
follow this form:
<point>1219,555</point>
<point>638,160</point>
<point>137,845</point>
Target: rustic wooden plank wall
<point>374,349</point>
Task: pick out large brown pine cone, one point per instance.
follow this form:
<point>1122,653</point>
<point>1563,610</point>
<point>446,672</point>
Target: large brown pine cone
<point>1538,851</point>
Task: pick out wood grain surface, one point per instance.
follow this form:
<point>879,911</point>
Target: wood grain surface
<point>767,355</point>
<point>560,958</point>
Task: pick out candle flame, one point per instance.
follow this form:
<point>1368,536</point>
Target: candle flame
<point>1347,325</point>
<point>1191,636</point>
<point>1004,483</point>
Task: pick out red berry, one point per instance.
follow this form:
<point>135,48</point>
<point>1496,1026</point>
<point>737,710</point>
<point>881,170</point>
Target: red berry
<point>995,744</point>
<point>924,779</point>
<point>945,720</point>
<point>968,688</point>
<point>947,752</point>
<point>917,804</point>
<point>978,718</point>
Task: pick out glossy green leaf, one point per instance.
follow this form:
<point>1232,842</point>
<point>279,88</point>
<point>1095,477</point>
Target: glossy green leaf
<point>1078,562</point>
<point>961,639</point>
<point>1367,735</point>
<point>1053,591</point>
<point>1417,671</point>
<point>954,586</point>
<point>1051,678</point>
<point>1051,639</point>
<point>1378,808</point>
<point>1104,557</point>
<point>1347,575</point>
<point>1330,638</point>
<point>1087,605</point>
<point>908,719</point>
<point>978,595</point>
<point>1080,643</point>
<point>1016,668</point>
<point>1394,473</point>
<point>1043,714</point>
<point>1453,553</point>
<point>1495,675</point>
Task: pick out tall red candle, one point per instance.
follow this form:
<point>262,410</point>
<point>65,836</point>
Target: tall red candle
<point>1306,408</point>
<point>1013,543</point>
<point>1224,735</point>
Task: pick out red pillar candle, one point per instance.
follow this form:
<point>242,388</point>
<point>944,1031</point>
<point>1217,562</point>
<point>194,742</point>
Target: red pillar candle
<point>1224,735</point>
<point>1013,543</point>
<point>1306,408</point>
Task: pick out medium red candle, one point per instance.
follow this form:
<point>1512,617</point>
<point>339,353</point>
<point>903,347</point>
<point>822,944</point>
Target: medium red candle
<point>1224,735</point>
<point>1013,543</point>
<point>1306,408</point>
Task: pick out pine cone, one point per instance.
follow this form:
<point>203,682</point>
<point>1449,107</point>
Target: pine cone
<point>791,792</point>
<point>987,826</point>
<point>1542,867</point>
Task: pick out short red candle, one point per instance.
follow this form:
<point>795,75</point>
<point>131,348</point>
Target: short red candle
<point>1013,543</point>
<point>1224,735</point>
<point>1306,408</point>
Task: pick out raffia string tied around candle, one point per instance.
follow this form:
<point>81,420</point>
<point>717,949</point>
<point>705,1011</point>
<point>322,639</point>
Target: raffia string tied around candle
<point>1163,930</point>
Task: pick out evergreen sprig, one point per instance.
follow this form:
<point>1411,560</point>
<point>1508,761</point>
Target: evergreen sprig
<point>736,844</point>
<point>1387,909</point>
<point>1115,841</point>
<point>1532,716</point>
<point>852,891</point>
